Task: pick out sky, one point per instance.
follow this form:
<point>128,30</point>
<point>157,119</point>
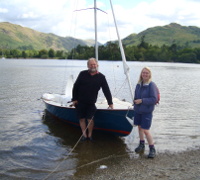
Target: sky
<point>132,16</point>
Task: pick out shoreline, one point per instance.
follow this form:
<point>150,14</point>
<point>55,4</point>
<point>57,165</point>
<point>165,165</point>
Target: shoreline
<point>183,165</point>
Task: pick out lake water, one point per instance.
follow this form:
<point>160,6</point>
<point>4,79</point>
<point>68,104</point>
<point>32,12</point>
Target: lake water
<point>33,146</point>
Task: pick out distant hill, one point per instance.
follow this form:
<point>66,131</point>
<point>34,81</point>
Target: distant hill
<point>14,36</point>
<point>169,34</point>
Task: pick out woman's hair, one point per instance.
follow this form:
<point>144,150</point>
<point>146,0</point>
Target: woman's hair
<point>150,78</point>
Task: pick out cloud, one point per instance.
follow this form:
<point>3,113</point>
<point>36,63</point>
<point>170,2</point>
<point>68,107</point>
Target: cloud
<point>58,17</point>
<point>161,12</point>
<point>3,10</point>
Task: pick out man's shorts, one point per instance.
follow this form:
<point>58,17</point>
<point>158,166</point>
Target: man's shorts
<point>143,120</point>
<point>86,111</point>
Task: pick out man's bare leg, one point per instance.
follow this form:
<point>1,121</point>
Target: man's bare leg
<point>90,127</point>
<point>83,127</point>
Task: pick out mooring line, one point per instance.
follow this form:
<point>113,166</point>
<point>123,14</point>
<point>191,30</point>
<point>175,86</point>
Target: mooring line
<point>105,158</point>
<point>75,147</point>
<point>68,153</point>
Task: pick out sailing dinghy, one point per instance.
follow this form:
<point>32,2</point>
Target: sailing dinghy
<point>117,121</point>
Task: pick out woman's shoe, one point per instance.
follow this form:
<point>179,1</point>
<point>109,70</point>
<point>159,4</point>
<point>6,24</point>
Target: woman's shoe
<point>152,152</point>
<point>140,148</point>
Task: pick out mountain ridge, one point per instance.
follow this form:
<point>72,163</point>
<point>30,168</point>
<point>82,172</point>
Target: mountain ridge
<point>172,33</point>
<point>14,36</point>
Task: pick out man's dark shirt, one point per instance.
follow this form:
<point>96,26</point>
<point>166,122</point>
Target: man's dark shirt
<point>86,88</point>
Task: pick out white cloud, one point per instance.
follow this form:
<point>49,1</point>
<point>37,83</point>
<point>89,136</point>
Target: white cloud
<point>3,10</point>
<point>162,12</point>
<point>58,17</point>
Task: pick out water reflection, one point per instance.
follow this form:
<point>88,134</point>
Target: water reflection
<point>87,156</point>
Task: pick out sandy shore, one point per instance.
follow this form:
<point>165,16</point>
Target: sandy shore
<point>178,166</point>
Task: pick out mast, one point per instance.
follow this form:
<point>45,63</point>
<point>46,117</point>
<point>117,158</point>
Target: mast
<point>126,67</point>
<point>95,23</point>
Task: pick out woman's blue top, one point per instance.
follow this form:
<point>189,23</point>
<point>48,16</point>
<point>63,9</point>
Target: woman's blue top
<point>148,94</point>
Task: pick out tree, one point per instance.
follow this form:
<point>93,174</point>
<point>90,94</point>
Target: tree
<point>188,58</point>
<point>197,52</point>
<point>24,54</point>
<point>143,44</point>
<point>60,54</point>
<point>51,53</point>
<point>43,54</point>
<point>15,53</point>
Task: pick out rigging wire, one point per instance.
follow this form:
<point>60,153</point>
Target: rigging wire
<point>110,34</point>
<point>71,31</point>
<point>91,8</point>
<point>119,89</point>
<point>74,29</point>
<point>116,90</point>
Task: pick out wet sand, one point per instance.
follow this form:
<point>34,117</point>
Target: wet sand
<point>176,166</point>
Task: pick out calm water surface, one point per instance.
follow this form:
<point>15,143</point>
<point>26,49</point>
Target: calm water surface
<point>33,146</point>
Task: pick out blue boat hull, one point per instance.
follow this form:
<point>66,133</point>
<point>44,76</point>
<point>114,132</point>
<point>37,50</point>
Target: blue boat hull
<point>107,120</point>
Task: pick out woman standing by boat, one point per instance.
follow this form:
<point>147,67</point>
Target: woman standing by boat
<point>144,103</point>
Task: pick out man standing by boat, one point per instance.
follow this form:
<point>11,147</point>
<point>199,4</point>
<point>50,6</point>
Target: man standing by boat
<point>85,92</point>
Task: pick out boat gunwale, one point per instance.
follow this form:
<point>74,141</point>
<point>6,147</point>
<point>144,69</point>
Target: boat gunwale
<point>104,109</point>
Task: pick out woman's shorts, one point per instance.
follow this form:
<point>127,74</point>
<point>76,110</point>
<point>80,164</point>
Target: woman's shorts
<point>86,111</point>
<point>143,120</point>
